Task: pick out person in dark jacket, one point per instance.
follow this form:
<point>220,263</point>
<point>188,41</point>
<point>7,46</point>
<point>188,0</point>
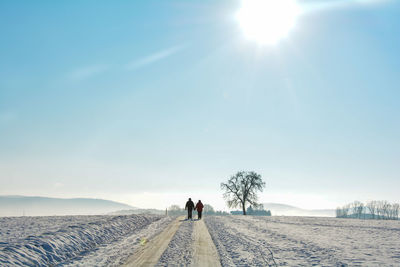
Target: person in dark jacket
<point>189,207</point>
<point>199,207</point>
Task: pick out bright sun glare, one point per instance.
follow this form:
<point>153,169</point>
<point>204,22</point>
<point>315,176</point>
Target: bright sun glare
<point>267,21</point>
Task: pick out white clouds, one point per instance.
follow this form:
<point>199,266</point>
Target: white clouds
<point>154,57</point>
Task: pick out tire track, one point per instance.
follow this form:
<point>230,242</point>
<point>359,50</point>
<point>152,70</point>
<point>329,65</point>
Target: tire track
<point>245,243</point>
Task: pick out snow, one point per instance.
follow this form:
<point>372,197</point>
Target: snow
<point>116,253</point>
<point>240,240</point>
<point>43,241</point>
<point>180,250</point>
<point>305,241</point>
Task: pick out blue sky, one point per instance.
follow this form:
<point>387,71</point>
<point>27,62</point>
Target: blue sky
<point>150,102</point>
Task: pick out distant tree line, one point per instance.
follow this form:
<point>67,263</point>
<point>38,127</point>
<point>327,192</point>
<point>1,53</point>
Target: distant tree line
<point>259,211</point>
<point>379,210</point>
<point>209,210</point>
<point>176,210</point>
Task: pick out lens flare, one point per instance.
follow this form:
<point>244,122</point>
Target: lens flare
<point>267,21</point>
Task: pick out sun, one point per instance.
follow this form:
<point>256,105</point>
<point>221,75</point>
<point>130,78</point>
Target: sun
<point>267,21</point>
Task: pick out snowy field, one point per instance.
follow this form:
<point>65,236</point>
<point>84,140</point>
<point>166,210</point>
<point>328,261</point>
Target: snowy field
<point>305,241</point>
<point>239,240</point>
<point>74,240</point>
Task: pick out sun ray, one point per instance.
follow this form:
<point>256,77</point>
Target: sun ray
<point>267,21</point>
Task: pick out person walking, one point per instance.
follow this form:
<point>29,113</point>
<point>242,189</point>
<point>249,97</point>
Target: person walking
<point>199,207</point>
<point>189,207</point>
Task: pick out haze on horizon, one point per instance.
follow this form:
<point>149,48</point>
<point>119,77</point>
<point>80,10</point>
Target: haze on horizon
<point>151,102</point>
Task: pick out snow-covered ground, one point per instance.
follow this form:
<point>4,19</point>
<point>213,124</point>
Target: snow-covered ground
<point>305,241</point>
<point>239,240</point>
<point>180,250</point>
<point>75,240</point>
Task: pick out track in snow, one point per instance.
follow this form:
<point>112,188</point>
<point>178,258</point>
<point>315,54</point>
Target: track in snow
<point>305,241</point>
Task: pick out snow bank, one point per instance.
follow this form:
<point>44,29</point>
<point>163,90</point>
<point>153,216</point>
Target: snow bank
<point>54,240</point>
<point>117,253</point>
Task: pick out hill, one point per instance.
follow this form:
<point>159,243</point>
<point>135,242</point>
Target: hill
<point>278,209</point>
<point>45,206</point>
<point>137,211</point>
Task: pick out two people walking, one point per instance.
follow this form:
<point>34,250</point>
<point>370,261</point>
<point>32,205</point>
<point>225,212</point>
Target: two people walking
<point>190,207</point>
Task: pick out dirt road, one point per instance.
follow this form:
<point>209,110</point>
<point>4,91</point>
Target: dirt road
<point>204,251</point>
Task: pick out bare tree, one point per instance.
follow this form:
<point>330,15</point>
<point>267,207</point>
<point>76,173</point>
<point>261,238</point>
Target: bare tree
<point>241,189</point>
<point>208,209</point>
<point>377,209</point>
<point>356,209</point>
<point>371,205</point>
<point>385,209</point>
<point>389,212</point>
<point>342,212</point>
<point>360,210</point>
<point>339,212</point>
<point>396,209</point>
<point>346,210</point>
<point>175,210</point>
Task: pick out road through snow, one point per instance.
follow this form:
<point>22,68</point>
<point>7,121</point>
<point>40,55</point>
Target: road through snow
<point>147,240</point>
<point>150,253</point>
<point>182,243</point>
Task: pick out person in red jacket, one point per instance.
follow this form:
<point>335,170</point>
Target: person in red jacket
<point>199,207</point>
